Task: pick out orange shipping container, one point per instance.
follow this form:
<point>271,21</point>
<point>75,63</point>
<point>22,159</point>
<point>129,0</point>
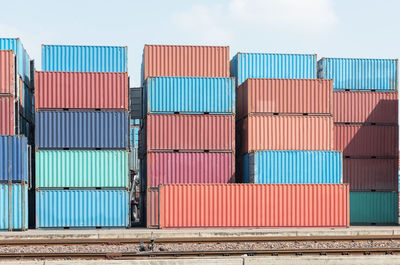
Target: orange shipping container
<point>266,132</point>
<point>290,96</point>
<point>253,205</point>
<point>7,73</point>
<point>188,61</point>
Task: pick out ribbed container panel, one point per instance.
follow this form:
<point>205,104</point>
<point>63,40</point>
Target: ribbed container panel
<point>285,96</point>
<point>293,167</point>
<point>13,207</point>
<point>273,65</point>
<point>134,136</point>
<point>366,140</point>
<point>8,116</point>
<point>253,205</point>
<point>82,169</point>
<point>266,132</point>
<point>134,159</point>
<point>76,90</point>
<point>82,208</point>
<point>190,95</point>
<point>81,58</point>
<point>188,61</point>
<point>379,208</point>
<point>7,73</point>
<point>82,129</point>
<point>361,107</point>
<point>360,74</point>
<point>13,159</point>
<point>152,212</point>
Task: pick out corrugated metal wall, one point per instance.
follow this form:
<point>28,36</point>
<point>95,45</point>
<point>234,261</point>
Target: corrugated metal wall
<point>13,206</point>
<point>7,73</point>
<point>13,159</point>
<point>8,116</point>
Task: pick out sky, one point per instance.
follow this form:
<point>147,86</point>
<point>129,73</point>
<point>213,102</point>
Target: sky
<point>341,28</point>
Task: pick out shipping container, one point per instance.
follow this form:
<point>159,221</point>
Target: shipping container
<point>266,132</point>
<point>253,205</point>
<point>8,84</point>
<point>26,102</point>
<point>377,208</point>
<point>13,207</point>
<point>82,58</point>
<point>293,167</point>
<point>152,208</point>
<point>285,96</point>
<point>134,159</point>
<point>82,208</point>
<point>82,129</point>
<point>134,136</point>
<point>272,65</point>
<point>82,169</point>
<point>365,107</point>
<point>188,61</point>
<point>188,132</point>
<point>76,90</point>
<point>366,140</point>
<point>136,102</point>
<point>14,156</point>
<point>189,95</point>
<point>8,116</point>
<point>360,74</point>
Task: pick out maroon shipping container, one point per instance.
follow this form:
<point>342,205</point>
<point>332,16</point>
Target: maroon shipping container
<point>152,208</point>
<point>7,73</point>
<point>165,132</point>
<point>366,140</point>
<point>285,96</point>
<point>8,119</point>
<point>371,174</point>
<point>362,107</point>
<point>81,90</point>
<point>190,61</point>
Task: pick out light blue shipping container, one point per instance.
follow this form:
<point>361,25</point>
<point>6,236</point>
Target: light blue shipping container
<point>360,74</point>
<point>77,58</point>
<point>272,65</point>
<point>13,207</point>
<point>14,158</point>
<point>82,208</point>
<point>293,167</point>
<point>23,60</point>
<point>189,95</point>
<point>134,136</point>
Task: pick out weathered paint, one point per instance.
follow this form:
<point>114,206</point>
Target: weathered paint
<point>13,159</point>
<point>13,207</point>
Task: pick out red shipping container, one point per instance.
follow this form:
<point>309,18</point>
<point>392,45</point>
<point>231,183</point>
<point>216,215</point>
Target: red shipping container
<point>81,90</point>
<point>189,61</point>
<point>366,140</point>
<point>253,205</point>
<point>165,132</point>
<point>152,208</point>
<point>8,119</point>
<point>362,107</point>
<point>7,73</point>
<point>371,174</point>
<point>285,96</point>
<point>266,132</point>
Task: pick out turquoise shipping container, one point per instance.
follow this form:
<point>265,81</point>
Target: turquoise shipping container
<point>13,207</point>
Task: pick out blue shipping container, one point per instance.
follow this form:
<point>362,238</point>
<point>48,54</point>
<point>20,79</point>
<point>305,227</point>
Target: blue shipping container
<point>13,206</point>
<point>13,158</point>
<point>293,167</point>
<point>134,142</point>
<point>82,208</point>
<point>82,129</point>
<point>359,74</point>
<point>23,60</point>
<point>77,58</point>
<point>268,65</point>
<point>189,95</point>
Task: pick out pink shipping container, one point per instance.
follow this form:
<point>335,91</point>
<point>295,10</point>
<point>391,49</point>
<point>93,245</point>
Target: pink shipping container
<point>285,96</point>
<point>8,117</point>
<point>266,132</point>
<point>81,90</point>
<point>366,140</point>
<point>165,132</point>
<point>362,107</point>
<point>371,174</point>
<point>188,61</point>
<point>7,73</point>
<point>253,205</point>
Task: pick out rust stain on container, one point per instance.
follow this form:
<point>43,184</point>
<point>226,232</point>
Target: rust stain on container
<point>290,96</point>
<point>266,132</point>
<point>7,73</point>
<point>81,90</point>
<point>253,205</point>
<point>7,115</point>
<point>361,107</point>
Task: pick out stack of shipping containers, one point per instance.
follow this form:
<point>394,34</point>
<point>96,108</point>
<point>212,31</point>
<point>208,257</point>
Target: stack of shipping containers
<point>366,131</point>
<point>15,122</point>
<point>82,135</point>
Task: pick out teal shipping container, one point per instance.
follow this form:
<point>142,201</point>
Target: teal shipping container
<point>13,207</point>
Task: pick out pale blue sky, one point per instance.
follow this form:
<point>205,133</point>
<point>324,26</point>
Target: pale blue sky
<point>329,28</point>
